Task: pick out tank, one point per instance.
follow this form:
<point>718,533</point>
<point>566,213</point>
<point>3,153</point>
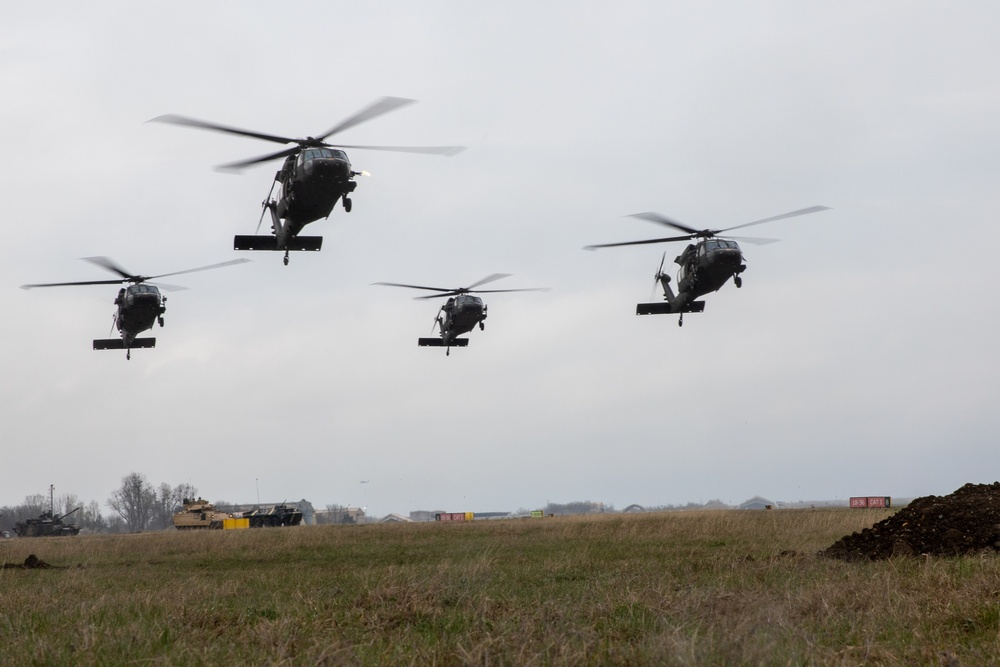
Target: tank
<point>198,513</point>
<point>278,515</point>
<point>47,525</point>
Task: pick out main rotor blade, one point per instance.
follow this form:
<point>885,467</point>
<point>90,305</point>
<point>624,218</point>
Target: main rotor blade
<point>377,108</point>
<point>168,287</point>
<point>664,220</point>
<point>436,289</point>
<point>488,279</point>
<point>448,151</point>
<point>614,245</point>
<point>191,122</point>
<point>522,289</point>
<point>236,166</point>
<point>108,264</point>
<point>82,282</point>
<point>792,214</point>
<point>231,262</point>
<point>755,240</point>
<point>441,295</point>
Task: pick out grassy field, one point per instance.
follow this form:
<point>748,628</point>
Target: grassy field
<point>705,588</point>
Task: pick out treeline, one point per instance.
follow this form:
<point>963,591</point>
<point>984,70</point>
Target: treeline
<point>590,507</point>
<point>135,506</point>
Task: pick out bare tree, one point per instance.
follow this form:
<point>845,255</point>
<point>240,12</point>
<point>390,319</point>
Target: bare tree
<point>65,504</point>
<point>92,519</point>
<point>134,501</point>
<point>163,508</point>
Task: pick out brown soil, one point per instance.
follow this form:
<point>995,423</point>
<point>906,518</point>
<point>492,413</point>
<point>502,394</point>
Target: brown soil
<point>964,522</point>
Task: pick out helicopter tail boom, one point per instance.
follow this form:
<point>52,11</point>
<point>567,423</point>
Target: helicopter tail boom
<point>271,243</point>
<point>666,308</point>
<point>119,344</point>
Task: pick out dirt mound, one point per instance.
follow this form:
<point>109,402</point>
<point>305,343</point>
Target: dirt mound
<point>963,522</point>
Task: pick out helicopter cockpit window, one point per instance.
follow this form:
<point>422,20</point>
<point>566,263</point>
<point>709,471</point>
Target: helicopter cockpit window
<point>328,153</point>
<point>716,244</point>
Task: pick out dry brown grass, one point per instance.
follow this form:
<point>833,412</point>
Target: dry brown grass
<point>706,588</point>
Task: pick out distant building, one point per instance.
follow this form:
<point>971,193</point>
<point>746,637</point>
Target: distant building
<point>757,503</point>
<point>340,515</point>
<point>424,515</point>
<point>634,509</point>
<point>394,518</point>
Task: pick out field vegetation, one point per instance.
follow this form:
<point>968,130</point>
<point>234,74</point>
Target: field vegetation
<point>679,588</point>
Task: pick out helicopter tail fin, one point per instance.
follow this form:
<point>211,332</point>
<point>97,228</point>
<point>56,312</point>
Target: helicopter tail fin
<point>439,342</point>
<point>119,344</point>
<point>271,243</point>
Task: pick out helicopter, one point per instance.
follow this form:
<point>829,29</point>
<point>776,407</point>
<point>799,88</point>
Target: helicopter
<point>705,266</point>
<point>461,312</point>
<point>139,306</point>
<point>315,176</point>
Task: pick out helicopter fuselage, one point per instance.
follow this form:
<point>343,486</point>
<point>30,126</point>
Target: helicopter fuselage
<point>312,183</point>
<point>139,308</point>
<point>460,314</point>
<point>707,266</point>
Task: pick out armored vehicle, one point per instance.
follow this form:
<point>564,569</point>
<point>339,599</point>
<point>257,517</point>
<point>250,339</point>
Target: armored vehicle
<point>198,513</point>
<point>46,525</point>
<point>278,515</point>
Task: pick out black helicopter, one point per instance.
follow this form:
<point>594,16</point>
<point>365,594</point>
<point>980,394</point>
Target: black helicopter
<point>705,266</point>
<point>314,177</point>
<point>461,312</point>
<point>140,305</point>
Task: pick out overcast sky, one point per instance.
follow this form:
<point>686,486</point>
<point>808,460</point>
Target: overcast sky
<point>859,358</point>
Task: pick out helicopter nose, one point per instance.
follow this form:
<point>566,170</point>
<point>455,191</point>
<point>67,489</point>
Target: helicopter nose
<point>331,168</point>
<point>727,256</point>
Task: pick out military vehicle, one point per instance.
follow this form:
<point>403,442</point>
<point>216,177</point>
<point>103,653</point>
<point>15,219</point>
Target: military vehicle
<point>278,515</point>
<point>198,513</point>
<point>47,525</point>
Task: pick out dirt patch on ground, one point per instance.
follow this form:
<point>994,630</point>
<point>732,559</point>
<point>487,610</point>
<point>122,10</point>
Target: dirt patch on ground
<point>964,522</point>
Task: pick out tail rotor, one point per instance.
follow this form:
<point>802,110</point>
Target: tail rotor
<point>659,277</point>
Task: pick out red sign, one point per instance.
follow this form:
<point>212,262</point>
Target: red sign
<point>871,501</point>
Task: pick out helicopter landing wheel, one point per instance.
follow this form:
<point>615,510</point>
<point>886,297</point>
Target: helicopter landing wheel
<point>347,204</point>
<point>738,281</point>
<point>447,352</point>
<point>482,326</point>
<point>286,258</point>
<point>160,320</point>
<point>128,355</point>
<point>680,322</point>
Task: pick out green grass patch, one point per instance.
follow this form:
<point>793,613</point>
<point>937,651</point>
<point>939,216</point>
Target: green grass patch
<point>706,588</point>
